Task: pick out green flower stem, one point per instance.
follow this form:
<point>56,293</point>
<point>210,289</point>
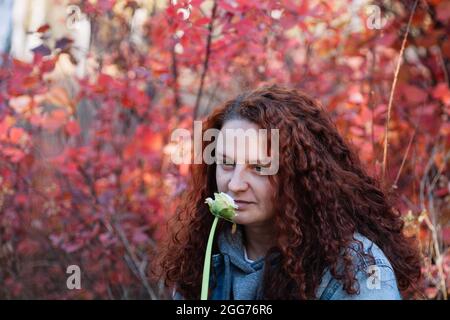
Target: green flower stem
<point>207,264</point>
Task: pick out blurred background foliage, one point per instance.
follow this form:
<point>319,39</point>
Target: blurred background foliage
<point>90,92</point>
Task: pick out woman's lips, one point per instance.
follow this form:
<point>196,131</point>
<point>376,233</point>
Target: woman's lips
<point>242,205</point>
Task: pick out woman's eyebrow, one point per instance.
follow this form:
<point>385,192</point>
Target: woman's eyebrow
<point>224,156</point>
<point>266,162</point>
<point>259,162</point>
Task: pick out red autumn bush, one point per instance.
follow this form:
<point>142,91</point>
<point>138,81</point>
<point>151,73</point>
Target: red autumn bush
<point>86,176</point>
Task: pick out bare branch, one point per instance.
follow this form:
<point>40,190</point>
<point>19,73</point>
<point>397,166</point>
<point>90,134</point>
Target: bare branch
<point>206,61</point>
<point>394,83</point>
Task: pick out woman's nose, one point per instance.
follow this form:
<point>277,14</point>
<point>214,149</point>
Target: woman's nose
<point>237,182</point>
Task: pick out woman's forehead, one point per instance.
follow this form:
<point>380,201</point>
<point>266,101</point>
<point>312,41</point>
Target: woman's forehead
<point>240,123</point>
<point>243,145</point>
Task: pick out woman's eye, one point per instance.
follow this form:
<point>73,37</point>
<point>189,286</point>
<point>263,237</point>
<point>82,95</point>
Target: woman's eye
<point>226,165</point>
<point>258,168</point>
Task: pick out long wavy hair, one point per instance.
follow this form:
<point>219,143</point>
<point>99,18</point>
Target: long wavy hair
<point>323,196</point>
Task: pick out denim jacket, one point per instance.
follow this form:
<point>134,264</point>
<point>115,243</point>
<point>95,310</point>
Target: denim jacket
<point>376,278</point>
<point>240,279</point>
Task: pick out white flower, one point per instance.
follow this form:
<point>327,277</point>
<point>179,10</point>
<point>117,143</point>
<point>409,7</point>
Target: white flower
<point>222,206</point>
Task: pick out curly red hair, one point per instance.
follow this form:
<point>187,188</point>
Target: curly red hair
<point>323,197</point>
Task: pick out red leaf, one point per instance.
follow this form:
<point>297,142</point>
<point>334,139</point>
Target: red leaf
<point>43,29</point>
<point>202,21</point>
<point>73,128</point>
<point>443,11</point>
<point>63,43</point>
<point>446,236</point>
<point>14,154</point>
<point>28,247</point>
<point>442,92</point>
<point>229,6</point>
<point>41,50</point>
<point>71,247</point>
<point>48,65</point>
<point>55,120</point>
<point>442,192</point>
<point>414,94</point>
<point>15,135</point>
<point>21,199</point>
<point>140,237</point>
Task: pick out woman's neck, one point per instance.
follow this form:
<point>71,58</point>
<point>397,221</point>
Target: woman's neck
<point>258,240</point>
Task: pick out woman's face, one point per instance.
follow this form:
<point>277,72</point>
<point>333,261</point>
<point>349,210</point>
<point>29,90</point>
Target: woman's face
<point>239,176</point>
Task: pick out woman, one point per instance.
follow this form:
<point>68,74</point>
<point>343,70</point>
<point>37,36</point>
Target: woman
<point>320,228</point>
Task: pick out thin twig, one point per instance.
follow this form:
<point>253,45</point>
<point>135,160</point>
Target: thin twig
<point>438,255</point>
<point>176,91</point>
<point>205,63</point>
<point>424,179</point>
<point>134,260</point>
<point>440,170</point>
<point>394,83</point>
<point>394,185</point>
<point>371,105</point>
<point>444,66</point>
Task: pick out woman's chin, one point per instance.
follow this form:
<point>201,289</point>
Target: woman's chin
<point>242,218</point>
<point>238,220</point>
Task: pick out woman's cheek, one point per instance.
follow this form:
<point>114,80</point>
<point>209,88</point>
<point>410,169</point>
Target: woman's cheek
<point>221,179</point>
